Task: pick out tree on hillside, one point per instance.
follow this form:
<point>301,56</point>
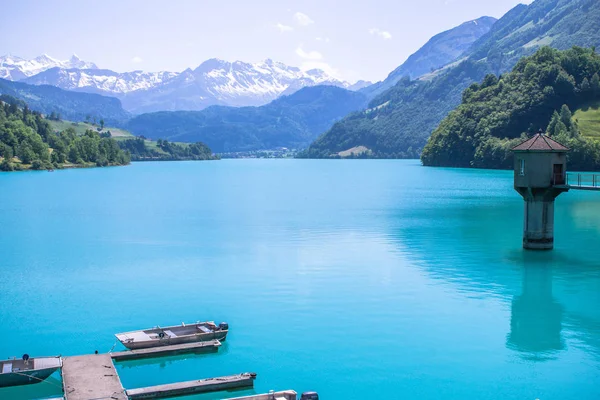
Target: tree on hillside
<point>565,115</point>
<point>6,151</point>
<point>102,124</point>
<point>595,84</point>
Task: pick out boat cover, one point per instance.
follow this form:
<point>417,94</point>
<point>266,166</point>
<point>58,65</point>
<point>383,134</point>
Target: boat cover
<point>6,368</point>
<point>47,362</point>
<point>137,336</point>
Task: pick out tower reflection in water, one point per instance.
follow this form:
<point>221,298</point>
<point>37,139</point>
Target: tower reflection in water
<point>536,318</point>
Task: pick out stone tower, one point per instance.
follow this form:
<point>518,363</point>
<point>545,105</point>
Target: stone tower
<point>540,170</point>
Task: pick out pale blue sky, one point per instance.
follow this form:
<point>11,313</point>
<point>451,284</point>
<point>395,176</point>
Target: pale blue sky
<point>351,39</point>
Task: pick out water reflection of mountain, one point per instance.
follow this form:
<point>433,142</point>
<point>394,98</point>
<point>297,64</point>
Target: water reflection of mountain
<point>476,245</point>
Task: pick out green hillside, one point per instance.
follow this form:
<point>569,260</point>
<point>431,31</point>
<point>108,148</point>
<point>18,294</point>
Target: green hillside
<point>28,141</point>
<point>400,120</point>
<point>495,114</point>
<point>588,120</point>
<point>139,148</point>
<point>142,149</point>
<point>559,24</point>
<point>81,127</point>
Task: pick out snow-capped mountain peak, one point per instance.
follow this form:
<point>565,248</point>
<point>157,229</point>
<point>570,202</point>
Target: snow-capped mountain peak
<point>17,68</point>
<point>213,82</point>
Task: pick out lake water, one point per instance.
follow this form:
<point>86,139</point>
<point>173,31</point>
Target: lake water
<point>360,279</point>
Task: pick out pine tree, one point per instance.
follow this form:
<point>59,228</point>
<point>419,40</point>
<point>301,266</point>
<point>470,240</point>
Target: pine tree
<point>585,85</point>
<point>566,115</point>
<point>560,129</point>
<point>552,125</point>
<point>595,84</point>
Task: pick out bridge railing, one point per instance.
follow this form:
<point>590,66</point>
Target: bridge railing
<point>583,180</point>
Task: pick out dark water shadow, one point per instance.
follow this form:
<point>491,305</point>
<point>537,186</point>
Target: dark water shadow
<point>49,388</point>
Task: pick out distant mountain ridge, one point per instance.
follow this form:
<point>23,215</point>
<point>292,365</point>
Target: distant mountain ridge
<point>16,68</point>
<point>70,105</point>
<point>439,51</point>
<point>290,121</point>
<point>214,82</point>
<point>101,81</point>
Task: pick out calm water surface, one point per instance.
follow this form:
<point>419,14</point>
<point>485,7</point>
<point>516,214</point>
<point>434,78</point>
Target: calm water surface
<point>358,279</point>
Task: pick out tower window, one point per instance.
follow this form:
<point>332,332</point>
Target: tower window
<point>522,167</point>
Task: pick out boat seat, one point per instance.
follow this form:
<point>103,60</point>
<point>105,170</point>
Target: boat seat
<point>6,368</point>
<point>204,329</point>
<point>170,333</point>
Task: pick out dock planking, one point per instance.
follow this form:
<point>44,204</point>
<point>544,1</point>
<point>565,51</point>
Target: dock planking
<point>91,377</point>
<point>198,347</point>
<point>193,387</point>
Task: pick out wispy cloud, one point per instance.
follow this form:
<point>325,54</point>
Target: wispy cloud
<point>382,34</point>
<point>136,59</point>
<point>283,28</point>
<point>308,55</point>
<point>314,60</point>
<point>303,19</point>
<point>321,39</point>
<point>323,66</point>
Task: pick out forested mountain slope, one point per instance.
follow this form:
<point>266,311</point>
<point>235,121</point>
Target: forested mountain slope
<point>399,121</point>
<point>70,105</point>
<point>494,114</point>
<point>290,121</point>
<point>439,51</point>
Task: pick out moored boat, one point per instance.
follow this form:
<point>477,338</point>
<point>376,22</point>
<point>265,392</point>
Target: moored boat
<point>25,371</point>
<point>284,395</point>
<point>178,334</point>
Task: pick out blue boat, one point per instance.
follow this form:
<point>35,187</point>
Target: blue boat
<point>27,370</point>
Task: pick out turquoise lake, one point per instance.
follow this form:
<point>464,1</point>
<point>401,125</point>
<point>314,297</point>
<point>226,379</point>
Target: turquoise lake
<point>359,279</point>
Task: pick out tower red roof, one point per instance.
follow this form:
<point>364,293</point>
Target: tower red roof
<point>540,142</point>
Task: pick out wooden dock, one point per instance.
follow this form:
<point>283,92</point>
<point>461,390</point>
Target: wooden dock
<point>91,377</point>
<point>198,347</point>
<point>95,376</point>
<point>193,387</point>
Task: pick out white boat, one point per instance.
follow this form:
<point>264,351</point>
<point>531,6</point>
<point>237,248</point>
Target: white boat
<point>178,334</point>
<point>283,395</point>
<point>27,370</point>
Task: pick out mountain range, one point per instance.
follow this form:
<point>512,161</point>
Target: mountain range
<point>291,121</point>
<point>214,82</point>
<point>398,121</point>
